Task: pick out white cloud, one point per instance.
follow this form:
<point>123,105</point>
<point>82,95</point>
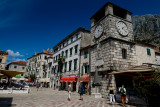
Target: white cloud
<point>11,53</point>
<point>14,56</point>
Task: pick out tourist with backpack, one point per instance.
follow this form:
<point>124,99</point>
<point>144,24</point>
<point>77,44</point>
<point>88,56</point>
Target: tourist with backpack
<point>123,93</point>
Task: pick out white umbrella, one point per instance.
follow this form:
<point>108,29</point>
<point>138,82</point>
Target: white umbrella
<point>13,78</point>
<point>22,78</point>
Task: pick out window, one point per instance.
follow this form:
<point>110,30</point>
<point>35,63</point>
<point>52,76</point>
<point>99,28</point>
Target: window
<point>70,65</point>
<point>71,39</point>
<point>0,60</point>
<point>15,66</point>
<point>66,53</point>
<point>23,67</point>
<point>75,64</point>
<point>65,67</point>
<point>85,54</point>
<point>58,56</point>
<point>124,53</point>
<point>62,53</point>
<point>76,36</point>
<point>76,48</point>
<point>21,74</point>
<point>82,70</point>
<point>70,51</point>
<point>148,52</point>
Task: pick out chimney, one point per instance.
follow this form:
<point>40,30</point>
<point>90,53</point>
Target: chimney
<point>51,50</point>
<point>36,53</point>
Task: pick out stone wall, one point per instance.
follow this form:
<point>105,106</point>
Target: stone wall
<point>106,81</point>
<point>110,30</point>
<point>141,54</point>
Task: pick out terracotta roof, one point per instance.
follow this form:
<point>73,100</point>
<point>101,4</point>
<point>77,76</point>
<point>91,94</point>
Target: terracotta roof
<point>47,52</point>
<point>19,62</point>
<point>146,44</point>
<point>156,51</point>
<point>3,52</point>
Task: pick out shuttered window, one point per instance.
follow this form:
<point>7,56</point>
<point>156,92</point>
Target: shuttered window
<point>148,52</point>
<point>70,65</point>
<point>124,53</point>
<point>75,64</point>
<point>85,54</point>
<point>82,70</point>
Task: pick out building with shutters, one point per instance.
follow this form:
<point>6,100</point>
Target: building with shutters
<point>40,66</point>
<point>66,59</point>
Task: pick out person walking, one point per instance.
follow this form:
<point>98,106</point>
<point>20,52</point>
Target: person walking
<point>81,92</point>
<point>123,93</point>
<point>111,94</point>
<point>69,92</point>
<point>54,86</point>
<point>37,86</point>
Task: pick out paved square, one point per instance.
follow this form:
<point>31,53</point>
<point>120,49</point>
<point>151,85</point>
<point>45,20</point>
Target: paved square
<point>47,97</point>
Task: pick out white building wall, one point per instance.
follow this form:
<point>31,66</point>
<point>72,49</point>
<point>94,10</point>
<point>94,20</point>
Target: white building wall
<point>70,58</point>
<point>141,55</point>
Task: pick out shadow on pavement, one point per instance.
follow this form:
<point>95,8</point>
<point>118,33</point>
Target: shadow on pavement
<point>6,102</point>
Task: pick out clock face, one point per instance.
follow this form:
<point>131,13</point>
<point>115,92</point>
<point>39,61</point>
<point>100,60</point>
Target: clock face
<point>122,28</point>
<point>98,31</point>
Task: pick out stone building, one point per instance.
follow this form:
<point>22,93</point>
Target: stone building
<point>112,48</point>
<point>18,66</point>
<point>39,65</point>
<point>84,62</point>
<point>3,59</point>
<point>145,53</point>
<point>157,56</point>
<point>66,59</point>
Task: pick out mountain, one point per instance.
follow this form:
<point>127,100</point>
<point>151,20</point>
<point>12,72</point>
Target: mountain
<point>146,28</point>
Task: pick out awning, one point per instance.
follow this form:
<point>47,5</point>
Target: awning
<point>10,73</point>
<point>69,79</point>
<point>134,70</point>
<point>84,79</point>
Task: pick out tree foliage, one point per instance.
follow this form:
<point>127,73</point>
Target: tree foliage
<point>149,88</point>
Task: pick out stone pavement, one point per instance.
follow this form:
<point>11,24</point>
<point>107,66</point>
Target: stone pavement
<point>47,97</point>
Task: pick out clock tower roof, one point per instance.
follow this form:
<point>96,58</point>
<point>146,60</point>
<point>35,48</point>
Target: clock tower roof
<point>113,11</point>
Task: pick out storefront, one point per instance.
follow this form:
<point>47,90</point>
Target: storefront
<point>84,80</point>
<point>65,81</point>
<point>126,77</point>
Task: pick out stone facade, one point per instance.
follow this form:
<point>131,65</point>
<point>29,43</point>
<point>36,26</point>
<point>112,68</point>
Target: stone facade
<point>109,47</point>
<point>142,56</point>
<point>3,59</point>
<point>18,66</point>
<point>39,65</point>
<point>157,55</point>
<point>71,44</point>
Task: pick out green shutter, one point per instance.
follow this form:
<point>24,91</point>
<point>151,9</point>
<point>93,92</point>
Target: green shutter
<point>75,64</point>
<point>87,69</point>
<point>76,49</point>
<point>85,54</point>
<point>148,52</point>
<point>82,70</point>
<point>70,51</point>
<point>70,64</point>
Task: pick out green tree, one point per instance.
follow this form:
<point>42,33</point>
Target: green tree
<point>33,77</point>
<point>149,88</point>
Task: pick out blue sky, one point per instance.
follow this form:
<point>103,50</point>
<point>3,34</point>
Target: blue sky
<point>29,26</point>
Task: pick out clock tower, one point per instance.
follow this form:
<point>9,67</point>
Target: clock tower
<point>112,46</point>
